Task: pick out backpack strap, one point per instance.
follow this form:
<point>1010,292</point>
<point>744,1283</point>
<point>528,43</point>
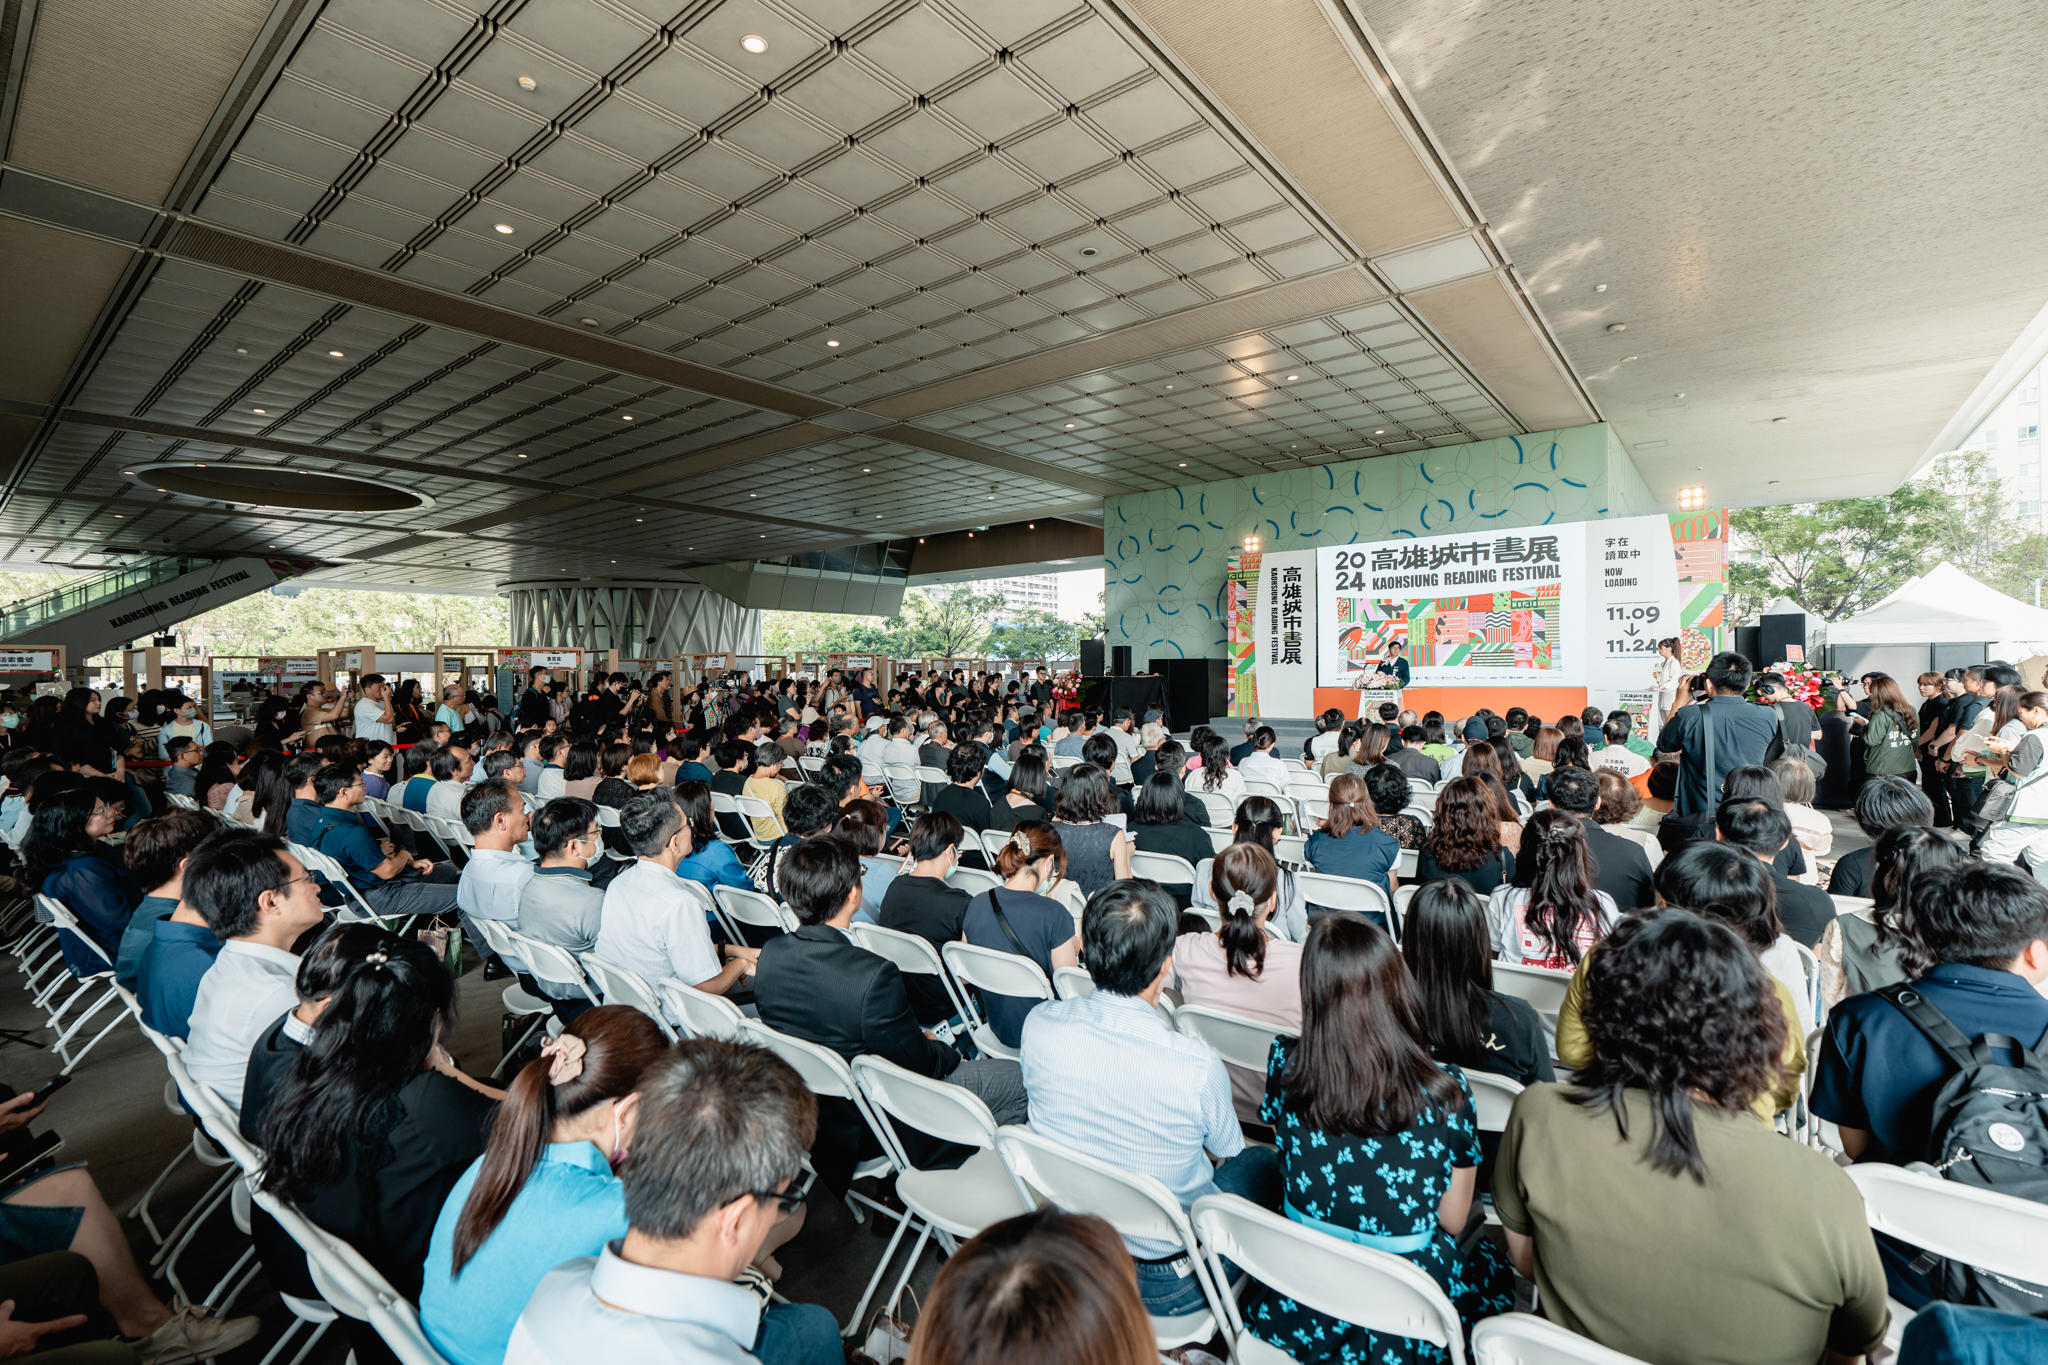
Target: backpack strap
<point>1003,922</point>
<point>1946,1037</point>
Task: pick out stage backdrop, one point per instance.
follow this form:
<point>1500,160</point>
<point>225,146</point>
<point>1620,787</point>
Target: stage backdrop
<point>1551,617</point>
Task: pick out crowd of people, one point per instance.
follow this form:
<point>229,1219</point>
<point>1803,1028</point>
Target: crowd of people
<point>1667,1177</point>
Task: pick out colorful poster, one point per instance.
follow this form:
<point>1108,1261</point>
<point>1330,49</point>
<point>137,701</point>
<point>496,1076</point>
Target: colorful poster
<point>1699,547</point>
<point>1240,608</point>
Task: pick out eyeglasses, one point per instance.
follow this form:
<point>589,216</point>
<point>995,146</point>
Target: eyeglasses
<point>591,836</point>
<point>786,1201</point>
<point>294,881</point>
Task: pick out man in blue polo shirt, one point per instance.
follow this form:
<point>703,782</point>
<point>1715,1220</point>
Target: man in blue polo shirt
<point>1980,934</point>
<point>381,879</point>
<point>1743,734</point>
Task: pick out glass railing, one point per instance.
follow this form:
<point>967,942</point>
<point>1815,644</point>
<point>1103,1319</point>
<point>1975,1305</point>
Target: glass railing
<point>22,618</point>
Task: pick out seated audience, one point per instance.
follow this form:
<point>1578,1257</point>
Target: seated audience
<point>1019,918</point>
<point>182,777</point>
<point>1660,793</point>
<point>1615,755</point>
<point>719,1137</point>
<point>765,784</point>
<point>156,851</point>
<point>1809,826</point>
<point>1259,821</point>
<point>452,767</point>
<point>1860,950</point>
<point>215,780</point>
<point>653,921</point>
<point>1027,798</point>
<point>1160,823</point>
<point>496,874</point>
<point>1761,828</point>
<point>1883,803</point>
<point>963,797</point>
<point>1776,1265</point>
<point>1465,1021</point>
<point>1558,915</point>
<point>558,904</point>
<point>1262,763</point>
<point>817,984</point>
<point>1348,842</point>
<point>1098,851</point>
<point>711,862</point>
<point>554,753</point>
<point>258,900</point>
<point>389,879</point>
<point>1390,791</point>
<point>1377,1141</point>
<point>1048,1287</point>
<point>333,956</point>
<point>67,858</point>
<point>544,1191</point>
<point>1464,841</point>
<point>580,772</point>
<point>1238,967</point>
<point>864,825</point>
<point>921,902</point>
<point>1211,774</point>
<point>1107,1076</point>
<point>1619,805</point>
<point>1619,867</point>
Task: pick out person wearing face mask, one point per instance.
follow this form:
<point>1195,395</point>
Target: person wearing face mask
<point>68,859</point>
<point>184,721</point>
<point>544,1191</point>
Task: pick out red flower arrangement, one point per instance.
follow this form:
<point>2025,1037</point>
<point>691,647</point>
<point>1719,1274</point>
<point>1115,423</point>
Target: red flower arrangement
<point>1066,687</point>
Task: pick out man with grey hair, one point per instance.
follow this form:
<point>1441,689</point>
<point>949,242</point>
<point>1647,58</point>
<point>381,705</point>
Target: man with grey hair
<point>653,921</point>
<point>1150,737</point>
<point>718,1139</point>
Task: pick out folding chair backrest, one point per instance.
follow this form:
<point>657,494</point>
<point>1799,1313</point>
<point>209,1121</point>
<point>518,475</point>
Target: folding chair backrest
<point>1406,865</point>
<point>1135,1205</point>
<point>752,907</point>
<point>1068,893</point>
<point>1982,1228</point>
<point>1374,1289</point>
<point>701,1014</point>
<point>1291,850</point>
<point>496,935</point>
<point>1243,1040</point>
<point>824,1071</point>
<point>182,802</point>
<point>608,817</point>
<point>1492,1097</point>
<point>1345,893</point>
<point>1071,983</point>
<point>973,880</point>
<point>619,986</point>
<point>937,776</point>
<point>1220,838</point>
<point>549,963</point>
<point>1524,1339</point>
<point>1845,905</point>
<point>1425,815</point>
<point>950,1113</point>
<point>1162,867</point>
<point>903,784</point>
<point>1218,808</point>
<point>1542,987</point>
<point>60,915</point>
<point>1314,808</point>
<point>1255,787</point>
<point>995,971</point>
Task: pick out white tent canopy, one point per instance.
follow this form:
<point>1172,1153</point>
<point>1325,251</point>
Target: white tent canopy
<point>1947,606</point>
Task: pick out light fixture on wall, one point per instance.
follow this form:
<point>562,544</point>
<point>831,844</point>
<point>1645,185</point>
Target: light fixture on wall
<point>1691,499</point>
<point>1251,545</point>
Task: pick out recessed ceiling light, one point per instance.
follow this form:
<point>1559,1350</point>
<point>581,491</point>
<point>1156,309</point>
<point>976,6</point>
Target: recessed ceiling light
<point>241,350</point>
<point>505,228</point>
<point>1599,288</point>
<point>753,495</point>
<point>1183,464</point>
<point>1780,419</point>
<point>878,517</point>
<point>1070,426</point>
<point>1169,386</point>
<point>335,354</point>
<point>1617,327</point>
<point>527,83</point>
<point>991,497</point>
<point>1292,377</point>
<point>867,471</point>
<point>625,417</point>
<point>639,518</point>
<point>831,343</point>
<point>754,43</point>
<point>588,322</point>
<point>118,516</point>
<point>920,540</point>
<point>1087,251</point>
<point>127,471</point>
<point>1032,527</point>
<point>258,411</point>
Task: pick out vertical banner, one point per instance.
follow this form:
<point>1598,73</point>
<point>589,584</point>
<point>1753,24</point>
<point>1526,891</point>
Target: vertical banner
<point>1699,548</point>
<point>1284,613</point>
<point>1240,606</point>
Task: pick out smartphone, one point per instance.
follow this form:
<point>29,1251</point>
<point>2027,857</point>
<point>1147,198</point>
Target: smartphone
<point>47,1089</point>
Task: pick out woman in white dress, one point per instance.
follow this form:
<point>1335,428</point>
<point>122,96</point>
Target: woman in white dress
<point>1665,679</point>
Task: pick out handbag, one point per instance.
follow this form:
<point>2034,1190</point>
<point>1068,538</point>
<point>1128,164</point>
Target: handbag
<point>1999,797</point>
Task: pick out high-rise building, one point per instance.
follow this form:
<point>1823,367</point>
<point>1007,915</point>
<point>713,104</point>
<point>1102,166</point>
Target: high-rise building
<point>1034,592</point>
<point>2011,437</point>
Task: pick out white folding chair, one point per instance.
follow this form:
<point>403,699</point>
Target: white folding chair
<point>826,1074</point>
<point>1135,1205</point>
<point>1424,815</point>
<point>737,905</point>
<point>1492,1097</point>
<point>904,788</point>
<point>620,986</point>
<point>110,993</point>
<point>181,802</point>
<point>1000,973</point>
<point>1314,808</point>
<point>754,809</point>
<point>1983,1229</point>
<point>929,776</point>
<point>913,956</point>
<point>1525,1339</point>
<point>1542,987</point>
<point>1373,1289</point>
<point>699,1014</point>
<point>1242,1040</point>
<point>1068,893</point>
<point>1166,868</point>
<point>1071,983</point>
<point>1215,808</point>
<point>1405,866</point>
<point>1845,905</point>
<point>519,1001</point>
<point>973,880</point>
<point>950,1203</point>
<point>608,818</point>
<point>1255,787</point>
<point>1348,893</point>
<point>1291,851</point>
<point>1220,839</point>
<point>552,964</point>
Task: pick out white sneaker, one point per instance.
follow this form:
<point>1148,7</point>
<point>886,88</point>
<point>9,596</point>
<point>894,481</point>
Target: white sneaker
<point>194,1334</point>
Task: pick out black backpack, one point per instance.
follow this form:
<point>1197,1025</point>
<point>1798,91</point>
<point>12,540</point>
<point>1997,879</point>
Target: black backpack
<point>1989,1129</point>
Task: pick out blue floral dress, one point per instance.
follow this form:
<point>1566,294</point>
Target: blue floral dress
<point>1382,1187</point>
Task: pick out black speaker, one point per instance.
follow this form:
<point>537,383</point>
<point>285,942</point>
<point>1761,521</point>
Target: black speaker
<point>1120,661</point>
<point>1091,658</point>
<point>1774,633</point>
<point>1195,691</point>
<point>1749,643</point>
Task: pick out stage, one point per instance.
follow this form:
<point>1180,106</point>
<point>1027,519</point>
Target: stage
<point>1548,702</point>
<point>1136,692</point>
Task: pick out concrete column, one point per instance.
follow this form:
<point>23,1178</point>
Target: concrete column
<point>636,619</point>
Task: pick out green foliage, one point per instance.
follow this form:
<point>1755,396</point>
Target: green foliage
<point>940,623</point>
<point>1842,557</point>
<point>1034,635</point>
<point>322,618</point>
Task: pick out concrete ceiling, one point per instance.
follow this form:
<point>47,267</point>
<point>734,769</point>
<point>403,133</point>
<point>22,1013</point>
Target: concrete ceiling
<point>1065,250</point>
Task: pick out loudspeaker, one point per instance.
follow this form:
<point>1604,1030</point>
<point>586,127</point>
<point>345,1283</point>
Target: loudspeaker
<point>1749,643</point>
<point>1196,690</point>
<point>1120,661</point>
<point>1774,633</point>
<point>1091,658</point>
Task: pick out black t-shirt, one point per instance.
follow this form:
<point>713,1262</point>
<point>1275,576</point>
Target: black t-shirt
<point>1803,910</point>
<point>1851,876</point>
<point>1003,815</point>
<point>1932,712</point>
<point>934,911</point>
<point>970,805</point>
<point>1185,840</point>
<point>1513,1040</point>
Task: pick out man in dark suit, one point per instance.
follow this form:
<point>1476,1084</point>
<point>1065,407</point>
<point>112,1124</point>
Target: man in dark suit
<point>1763,829</point>
<point>1620,868</point>
<point>818,985</point>
<point>535,710</point>
<point>1238,752</point>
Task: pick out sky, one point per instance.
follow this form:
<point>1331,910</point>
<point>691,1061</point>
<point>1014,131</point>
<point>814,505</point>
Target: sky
<point>1079,590</point>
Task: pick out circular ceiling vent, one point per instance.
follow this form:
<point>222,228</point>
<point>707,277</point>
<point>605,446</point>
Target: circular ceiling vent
<point>266,486</point>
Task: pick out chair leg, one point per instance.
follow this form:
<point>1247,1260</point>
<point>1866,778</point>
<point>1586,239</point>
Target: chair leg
<point>215,1296</point>
<point>860,1310</point>
<point>112,1024</point>
<point>539,1021</point>
<point>181,1234</point>
<point>140,1208</point>
<point>910,1266</point>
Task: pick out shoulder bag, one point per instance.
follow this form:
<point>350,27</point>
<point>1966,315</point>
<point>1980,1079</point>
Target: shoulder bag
<point>1675,831</point>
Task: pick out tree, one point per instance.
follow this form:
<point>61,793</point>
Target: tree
<point>1034,634</point>
<point>949,623</point>
<point>1095,623</point>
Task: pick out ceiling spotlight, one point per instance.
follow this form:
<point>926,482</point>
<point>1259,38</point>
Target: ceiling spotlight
<point>241,350</point>
<point>1070,426</point>
<point>1599,288</point>
<point>867,471</point>
<point>522,457</point>
<point>754,43</point>
<point>335,354</point>
<point>1292,377</point>
<point>118,516</point>
<point>753,495</point>
<point>1691,499</point>
<point>920,540</point>
<point>127,471</point>
<point>588,322</point>
<point>1087,251</point>
<point>1617,327</point>
<point>970,535</point>
<point>878,517</point>
<point>505,228</point>
<point>625,417</point>
<point>1379,431</point>
<point>1625,359</point>
<point>639,518</point>
<point>1169,386</point>
<point>1183,464</point>
<point>831,343</point>
<point>527,83</point>
<point>1033,526</point>
<point>259,412</point>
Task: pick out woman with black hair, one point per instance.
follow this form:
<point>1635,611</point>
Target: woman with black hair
<point>1027,797</point>
<point>711,863</point>
<point>1864,947</point>
<point>1775,1264</point>
<point>1464,1019</point>
<point>1559,915</point>
<point>1259,821</point>
<point>1237,967</point>
<point>1097,851</point>
<point>1377,1142</point>
<point>1389,790</point>
<point>373,1123</point>
<point>1464,841</point>
<point>1160,824</point>
<point>579,770</point>
<point>258,776</point>
<point>1756,782</point>
<point>544,1191</point>
<point>67,859</point>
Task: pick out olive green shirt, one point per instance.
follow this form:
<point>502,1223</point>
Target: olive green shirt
<point>1767,1263</point>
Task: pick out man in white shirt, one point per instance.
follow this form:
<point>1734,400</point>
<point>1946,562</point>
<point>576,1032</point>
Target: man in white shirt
<point>1124,730</point>
<point>654,921</point>
<point>258,900</point>
<point>451,768</point>
<point>495,816</point>
<point>1260,764</point>
<point>898,748</point>
<point>1105,1075</point>
<point>719,1137</point>
<point>374,716</point>
<point>871,751</point>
